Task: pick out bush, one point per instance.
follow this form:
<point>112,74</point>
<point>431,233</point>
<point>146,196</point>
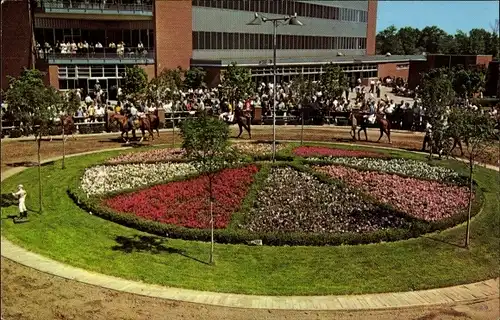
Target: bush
<point>98,128</point>
<point>55,131</point>
<point>15,133</point>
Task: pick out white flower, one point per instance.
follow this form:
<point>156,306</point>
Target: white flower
<point>105,179</point>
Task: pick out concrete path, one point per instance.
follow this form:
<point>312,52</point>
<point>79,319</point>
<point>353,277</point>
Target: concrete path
<point>468,293</point>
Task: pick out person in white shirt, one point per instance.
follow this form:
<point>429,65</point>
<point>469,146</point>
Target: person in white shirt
<point>88,100</point>
<point>21,196</point>
<point>428,135</point>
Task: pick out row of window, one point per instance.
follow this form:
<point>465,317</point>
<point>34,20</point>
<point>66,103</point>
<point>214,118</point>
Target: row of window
<point>93,71</point>
<point>288,7</point>
<point>259,41</point>
<point>130,37</point>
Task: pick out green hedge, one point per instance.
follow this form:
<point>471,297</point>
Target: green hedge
<point>235,235</point>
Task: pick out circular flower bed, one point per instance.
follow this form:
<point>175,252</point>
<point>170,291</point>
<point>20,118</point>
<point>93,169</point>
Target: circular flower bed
<point>426,200</point>
<point>282,203</point>
<point>309,151</point>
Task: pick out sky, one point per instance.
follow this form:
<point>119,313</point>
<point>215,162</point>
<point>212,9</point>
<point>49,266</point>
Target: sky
<point>448,15</point>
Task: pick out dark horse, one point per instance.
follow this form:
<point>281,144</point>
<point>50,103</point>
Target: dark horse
<point>358,119</point>
<point>243,121</point>
<point>146,123</point>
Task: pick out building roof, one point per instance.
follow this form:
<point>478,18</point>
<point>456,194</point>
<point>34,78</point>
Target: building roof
<point>311,60</point>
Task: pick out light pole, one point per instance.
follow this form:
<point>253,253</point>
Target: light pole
<point>290,20</point>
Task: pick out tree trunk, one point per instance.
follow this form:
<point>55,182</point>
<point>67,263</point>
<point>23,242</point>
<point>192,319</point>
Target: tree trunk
<point>173,130</point>
<point>211,222</point>
<point>39,172</point>
<point>64,148</point>
<point>467,229</point>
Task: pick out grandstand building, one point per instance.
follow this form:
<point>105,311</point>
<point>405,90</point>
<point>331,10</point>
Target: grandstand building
<point>160,34</point>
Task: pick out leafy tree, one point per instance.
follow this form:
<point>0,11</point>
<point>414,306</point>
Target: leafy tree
<point>387,41</point>
<point>477,130</point>
<point>333,82</point>
<point>467,82</point>
<point>206,143</point>
<point>431,39</point>
<point>194,78</point>
<point>35,106</point>
<point>237,83</point>
<point>408,37</point>
<point>134,83</point>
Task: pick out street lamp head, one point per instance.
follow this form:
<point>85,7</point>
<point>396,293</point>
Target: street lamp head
<point>257,20</point>
<point>294,21</point>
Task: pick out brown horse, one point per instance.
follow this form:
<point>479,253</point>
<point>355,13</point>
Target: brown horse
<point>142,123</point>
<point>362,121</point>
<point>68,126</point>
<point>242,121</point>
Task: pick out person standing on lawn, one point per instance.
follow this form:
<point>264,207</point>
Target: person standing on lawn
<point>21,196</point>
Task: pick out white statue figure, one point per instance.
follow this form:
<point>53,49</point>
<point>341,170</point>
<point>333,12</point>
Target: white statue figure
<point>21,196</point>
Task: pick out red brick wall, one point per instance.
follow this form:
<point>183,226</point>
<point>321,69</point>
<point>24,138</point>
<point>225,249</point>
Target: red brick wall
<point>484,60</point>
<point>150,70</point>
<point>371,31</point>
<point>391,70</point>
<point>173,34</point>
<point>16,39</point>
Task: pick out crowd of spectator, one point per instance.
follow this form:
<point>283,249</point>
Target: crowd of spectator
<point>84,48</point>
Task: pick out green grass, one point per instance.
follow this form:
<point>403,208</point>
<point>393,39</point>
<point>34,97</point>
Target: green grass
<point>68,234</point>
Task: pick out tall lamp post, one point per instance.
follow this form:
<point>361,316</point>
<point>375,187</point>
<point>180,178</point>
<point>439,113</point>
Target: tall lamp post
<point>286,20</point>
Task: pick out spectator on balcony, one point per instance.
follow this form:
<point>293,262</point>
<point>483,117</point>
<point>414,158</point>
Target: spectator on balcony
<point>85,47</point>
<point>88,100</point>
<point>92,48</point>
<point>80,47</point>
<point>73,46</point>
<point>97,87</point>
<point>98,45</point>
<point>47,47</point>
<point>120,49</point>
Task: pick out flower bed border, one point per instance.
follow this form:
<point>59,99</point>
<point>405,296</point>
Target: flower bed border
<point>235,235</point>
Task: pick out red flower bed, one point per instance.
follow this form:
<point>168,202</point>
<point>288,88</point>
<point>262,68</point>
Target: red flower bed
<point>427,200</point>
<point>308,151</point>
<point>185,203</point>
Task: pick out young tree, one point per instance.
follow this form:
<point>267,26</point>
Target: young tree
<point>237,83</point>
<point>194,78</point>
<point>478,131</point>
<point>467,82</point>
<point>333,82</point>
<point>302,91</point>
<point>34,105</point>
<point>206,143</point>
<point>134,83</point>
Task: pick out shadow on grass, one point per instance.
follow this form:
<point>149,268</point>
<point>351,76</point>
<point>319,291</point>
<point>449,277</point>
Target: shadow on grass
<point>7,200</point>
<point>28,164</point>
<point>149,244</point>
<point>461,246</point>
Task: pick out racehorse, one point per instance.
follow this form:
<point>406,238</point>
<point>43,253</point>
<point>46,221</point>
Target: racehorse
<point>242,121</point>
<point>362,121</point>
<point>143,123</point>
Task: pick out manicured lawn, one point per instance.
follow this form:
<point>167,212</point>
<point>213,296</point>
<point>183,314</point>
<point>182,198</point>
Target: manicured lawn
<point>66,233</point>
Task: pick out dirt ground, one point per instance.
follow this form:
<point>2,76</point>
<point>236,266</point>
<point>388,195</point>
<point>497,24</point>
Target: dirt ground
<point>16,152</point>
<point>30,294</point>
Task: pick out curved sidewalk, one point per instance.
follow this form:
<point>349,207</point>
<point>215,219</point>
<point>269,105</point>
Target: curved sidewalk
<point>468,293</point>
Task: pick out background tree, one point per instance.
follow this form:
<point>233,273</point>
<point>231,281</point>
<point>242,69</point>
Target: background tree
<point>467,82</point>
<point>409,37</point>
<point>478,130</point>
<point>333,82</point>
<point>194,78</point>
<point>206,143</point>
<point>387,41</point>
<point>35,106</point>
<point>134,83</point>
<point>237,83</point>
<point>437,94</point>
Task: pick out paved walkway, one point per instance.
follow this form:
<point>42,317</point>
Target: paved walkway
<point>468,293</point>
